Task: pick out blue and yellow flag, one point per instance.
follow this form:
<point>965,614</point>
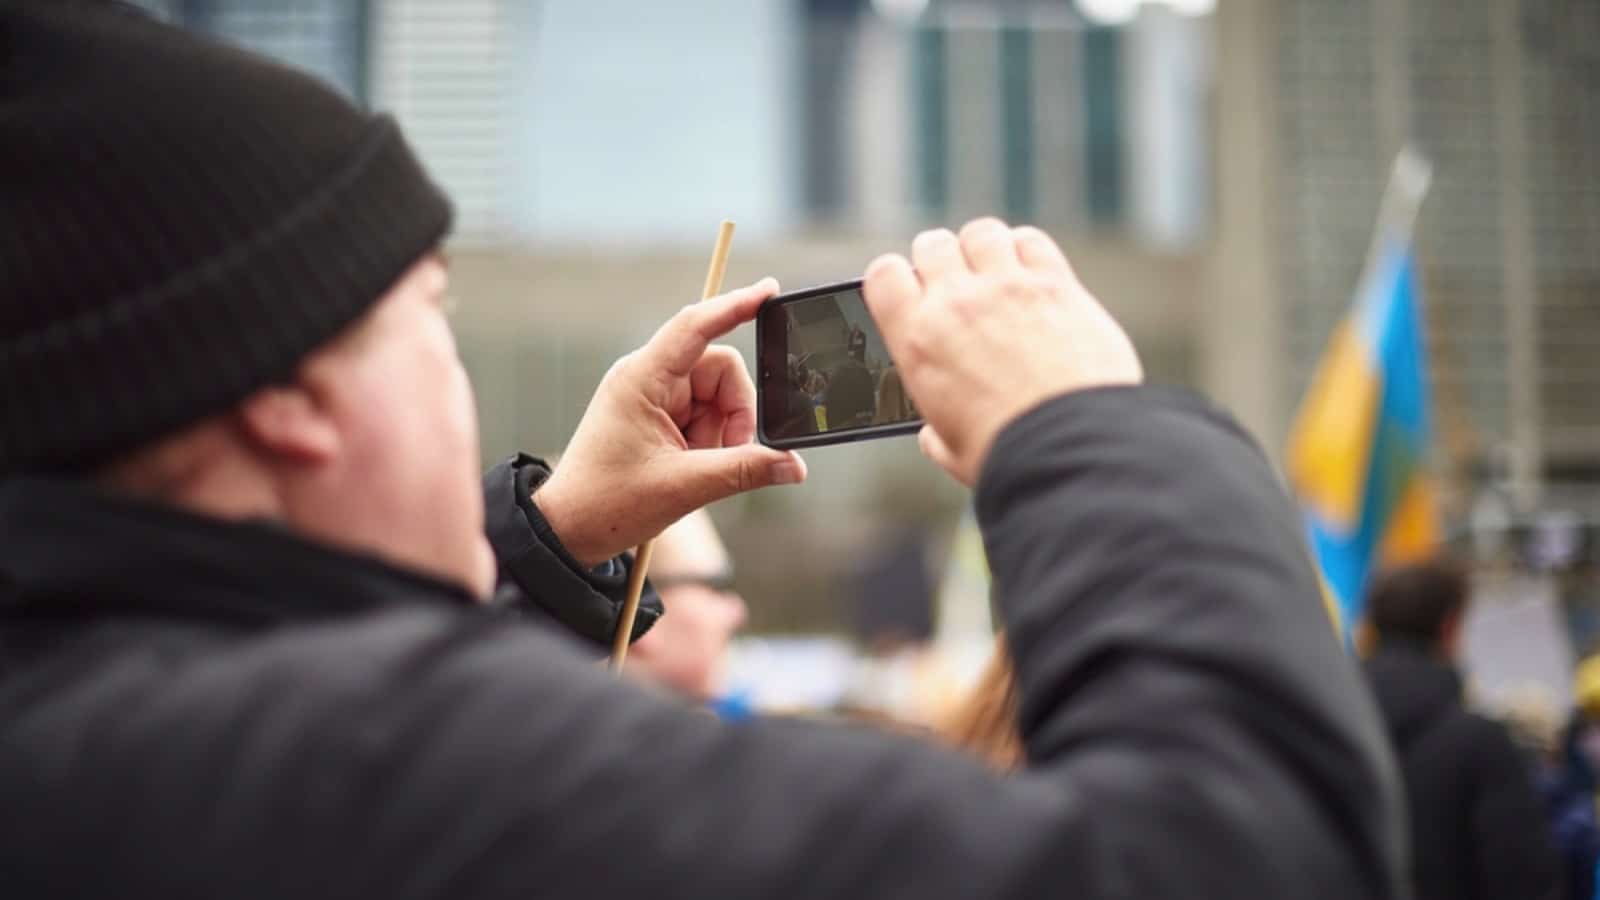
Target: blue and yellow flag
<point>1358,452</point>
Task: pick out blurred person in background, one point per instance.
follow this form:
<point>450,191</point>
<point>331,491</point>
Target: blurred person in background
<point>893,405</point>
<point>1568,781</point>
<point>265,633</point>
<point>1478,828</point>
<point>1563,776</point>
<point>984,720</point>
<point>817,389</point>
<point>849,397</point>
<point>816,382</point>
<point>800,414</point>
<point>691,571</point>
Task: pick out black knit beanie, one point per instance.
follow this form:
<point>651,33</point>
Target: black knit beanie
<point>181,222</point>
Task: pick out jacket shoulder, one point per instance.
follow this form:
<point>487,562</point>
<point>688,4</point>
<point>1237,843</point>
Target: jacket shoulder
<point>168,701</point>
<point>260,754</point>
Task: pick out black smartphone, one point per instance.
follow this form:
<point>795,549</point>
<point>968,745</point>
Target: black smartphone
<point>823,374</point>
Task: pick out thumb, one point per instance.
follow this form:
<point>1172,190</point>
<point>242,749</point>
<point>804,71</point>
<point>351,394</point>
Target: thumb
<point>710,475</point>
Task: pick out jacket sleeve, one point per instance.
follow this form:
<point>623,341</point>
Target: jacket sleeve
<point>1193,727</point>
<point>1514,852</point>
<point>538,577</point>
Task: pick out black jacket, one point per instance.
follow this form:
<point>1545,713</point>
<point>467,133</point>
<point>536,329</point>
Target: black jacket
<point>1478,826</point>
<point>193,709</point>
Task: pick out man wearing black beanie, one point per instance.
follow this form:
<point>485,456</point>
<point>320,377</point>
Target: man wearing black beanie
<point>263,633</point>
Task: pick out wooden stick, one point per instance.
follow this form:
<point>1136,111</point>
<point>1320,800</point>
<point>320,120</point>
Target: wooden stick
<point>641,557</point>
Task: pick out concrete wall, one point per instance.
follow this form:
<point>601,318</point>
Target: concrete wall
<point>560,316</point>
<point>538,328</point>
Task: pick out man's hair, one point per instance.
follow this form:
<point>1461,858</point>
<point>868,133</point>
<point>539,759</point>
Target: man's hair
<point>1417,600</point>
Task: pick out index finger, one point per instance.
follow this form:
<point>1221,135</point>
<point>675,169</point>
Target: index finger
<point>891,288</point>
<point>679,344</point>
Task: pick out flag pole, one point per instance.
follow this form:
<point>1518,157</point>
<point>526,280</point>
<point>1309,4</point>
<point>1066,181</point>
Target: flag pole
<point>1409,179</point>
<point>641,556</point>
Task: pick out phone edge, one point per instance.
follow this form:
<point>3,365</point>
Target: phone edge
<point>848,436</point>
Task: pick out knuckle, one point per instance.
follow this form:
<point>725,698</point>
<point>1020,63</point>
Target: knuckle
<point>1017,289</point>
<point>1024,287</point>
<point>1046,286</point>
<point>968,305</point>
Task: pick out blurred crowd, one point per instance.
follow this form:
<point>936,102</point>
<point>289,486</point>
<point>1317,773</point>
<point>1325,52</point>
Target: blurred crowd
<point>1502,792</point>
<point>266,631</point>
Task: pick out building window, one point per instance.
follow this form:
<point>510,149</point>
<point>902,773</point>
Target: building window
<point>1103,132</point>
<point>1020,110</point>
<point>327,38</point>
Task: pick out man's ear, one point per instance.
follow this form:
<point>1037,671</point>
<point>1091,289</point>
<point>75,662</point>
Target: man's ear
<point>287,421</point>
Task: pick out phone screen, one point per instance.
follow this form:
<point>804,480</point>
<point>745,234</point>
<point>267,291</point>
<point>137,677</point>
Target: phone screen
<point>825,374</point>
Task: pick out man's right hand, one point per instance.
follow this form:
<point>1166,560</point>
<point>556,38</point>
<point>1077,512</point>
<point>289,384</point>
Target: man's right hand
<point>986,327</point>
<point>669,430</point>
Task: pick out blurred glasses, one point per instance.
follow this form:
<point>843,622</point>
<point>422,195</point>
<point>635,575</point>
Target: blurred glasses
<point>721,582</point>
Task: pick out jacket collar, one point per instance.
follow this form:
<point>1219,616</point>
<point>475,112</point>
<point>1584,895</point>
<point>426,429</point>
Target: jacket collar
<point>69,549</point>
<point>1414,686</point>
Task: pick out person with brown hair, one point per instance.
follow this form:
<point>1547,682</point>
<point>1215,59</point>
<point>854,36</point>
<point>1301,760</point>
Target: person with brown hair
<point>893,404</point>
<point>984,720</point>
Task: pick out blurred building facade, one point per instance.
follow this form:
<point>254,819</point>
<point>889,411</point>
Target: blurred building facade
<point>1215,178</point>
<point>1504,97</point>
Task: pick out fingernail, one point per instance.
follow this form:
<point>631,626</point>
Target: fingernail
<point>789,471</point>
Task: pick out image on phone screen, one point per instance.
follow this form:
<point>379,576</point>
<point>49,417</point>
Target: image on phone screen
<point>826,376</point>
